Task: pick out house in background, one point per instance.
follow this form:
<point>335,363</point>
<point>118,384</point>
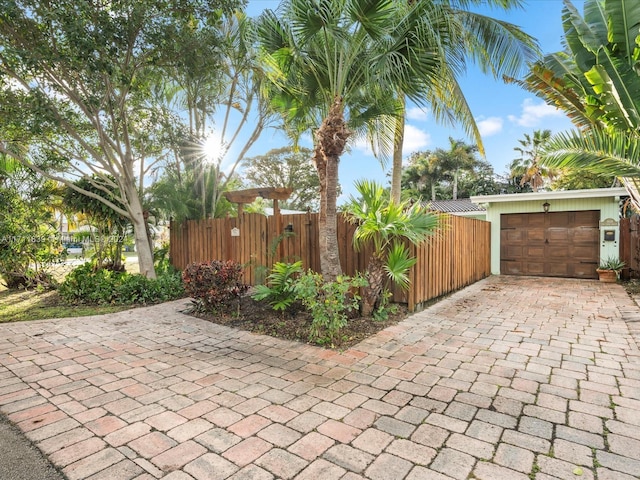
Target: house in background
<point>554,234</point>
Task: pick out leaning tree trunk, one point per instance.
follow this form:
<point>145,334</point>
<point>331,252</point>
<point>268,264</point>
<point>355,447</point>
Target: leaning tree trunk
<point>143,248</point>
<point>331,139</point>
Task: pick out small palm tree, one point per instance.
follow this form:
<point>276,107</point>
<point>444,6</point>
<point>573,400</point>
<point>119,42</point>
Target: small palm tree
<point>386,223</point>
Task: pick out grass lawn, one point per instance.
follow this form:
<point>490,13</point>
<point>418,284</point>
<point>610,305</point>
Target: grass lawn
<point>20,306</point>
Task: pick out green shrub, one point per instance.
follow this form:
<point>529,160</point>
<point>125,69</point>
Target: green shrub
<point>328,302</point>
<point>279,291</point>
<point>214,285</point>
<point>86,284</point>
<point>140,289</point>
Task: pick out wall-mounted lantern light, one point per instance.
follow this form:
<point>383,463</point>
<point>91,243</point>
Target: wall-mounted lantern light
<point>545,207</point>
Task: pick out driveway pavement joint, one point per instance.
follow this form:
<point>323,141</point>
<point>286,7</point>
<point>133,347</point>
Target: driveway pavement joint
<point>510,378</point>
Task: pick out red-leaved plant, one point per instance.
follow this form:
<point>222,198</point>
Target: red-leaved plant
<point>214,286</point>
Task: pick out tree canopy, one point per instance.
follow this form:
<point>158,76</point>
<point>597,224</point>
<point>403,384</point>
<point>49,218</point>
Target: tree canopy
<point>76,84</point>
<point>595,80</point>
<point>289,168</point>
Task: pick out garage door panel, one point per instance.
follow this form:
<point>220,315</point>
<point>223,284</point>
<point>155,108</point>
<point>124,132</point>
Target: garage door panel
<point>559,269</point>
<point>558,244</point>
<point>556,219</point>
<point>513,236</point>
<point>536,235</point>
<point>513,251</point>
<point>584,269</point>
<point>584,252</point>
<point>534,268</point>
<point>558,252</point>
<point>512,221</point>
<point>587,217</point>
<point>534,251</point>
<point>558,235</point>
<point>535,221</point>
<point>586,235</point>
<point>511,268</point>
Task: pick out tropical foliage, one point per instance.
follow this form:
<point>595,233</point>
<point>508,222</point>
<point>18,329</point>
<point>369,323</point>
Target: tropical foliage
<point>280,288</point>
<point>88,285</point>
<point>449,174</point>
<point>333,66</point>
<point>29,240</point>
<point>109,226</point>
<point>386,224</point>
<point>214,286</point>
<point>595,80</point>
<point>497,47</point>
<point>218,84</point>
<point>330,302</point>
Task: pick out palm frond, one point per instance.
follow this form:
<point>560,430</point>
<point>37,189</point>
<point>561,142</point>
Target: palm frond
<point>596,151</point>
<point>399,261</point>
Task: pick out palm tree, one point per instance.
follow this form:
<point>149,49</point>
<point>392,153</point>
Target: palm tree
<point>596,82</point>
<point>498,47</point>
<point>460,157</point>
<point>527,167</point>
<point>385,224</point>
<point>423,174</point>
<point>333,65</point>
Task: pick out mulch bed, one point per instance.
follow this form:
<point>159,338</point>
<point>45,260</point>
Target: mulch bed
<point>294,324</point>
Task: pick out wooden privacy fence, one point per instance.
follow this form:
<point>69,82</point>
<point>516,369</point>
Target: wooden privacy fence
<point>457,256</point>
<point>630,245</point>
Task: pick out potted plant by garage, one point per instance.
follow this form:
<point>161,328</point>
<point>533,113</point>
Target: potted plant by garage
<point>609,269</point>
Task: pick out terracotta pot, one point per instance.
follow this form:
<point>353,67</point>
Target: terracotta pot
<point>607,276</point>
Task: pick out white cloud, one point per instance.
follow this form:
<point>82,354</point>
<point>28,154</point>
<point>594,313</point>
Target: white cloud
<point>490,126</point>
<point>533,113</point>
<point>417,114</point>
<point>414,139</point>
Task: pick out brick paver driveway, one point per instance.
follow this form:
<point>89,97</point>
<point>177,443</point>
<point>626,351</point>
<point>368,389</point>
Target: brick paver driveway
<point>511,378</point>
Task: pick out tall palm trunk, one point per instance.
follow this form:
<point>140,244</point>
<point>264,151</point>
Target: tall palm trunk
<point>331,139</point>
<point>396,171</point>
<point>455,184</point>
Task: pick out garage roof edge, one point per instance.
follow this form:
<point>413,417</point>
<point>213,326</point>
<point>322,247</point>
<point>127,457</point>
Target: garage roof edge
<point>556,194</point>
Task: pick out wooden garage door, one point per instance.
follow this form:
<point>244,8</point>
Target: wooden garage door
<point>554,244</point>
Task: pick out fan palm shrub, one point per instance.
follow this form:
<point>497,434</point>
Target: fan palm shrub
<point>387,225</point>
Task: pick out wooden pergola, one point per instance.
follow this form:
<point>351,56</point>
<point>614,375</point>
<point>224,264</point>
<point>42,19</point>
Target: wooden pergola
<point>241,197</point>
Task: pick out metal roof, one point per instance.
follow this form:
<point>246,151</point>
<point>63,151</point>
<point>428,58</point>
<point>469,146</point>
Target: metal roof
<point>454,206</point>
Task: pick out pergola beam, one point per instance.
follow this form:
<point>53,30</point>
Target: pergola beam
<point>250,194</point>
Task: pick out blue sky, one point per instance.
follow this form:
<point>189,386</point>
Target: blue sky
<point>503,112</point>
